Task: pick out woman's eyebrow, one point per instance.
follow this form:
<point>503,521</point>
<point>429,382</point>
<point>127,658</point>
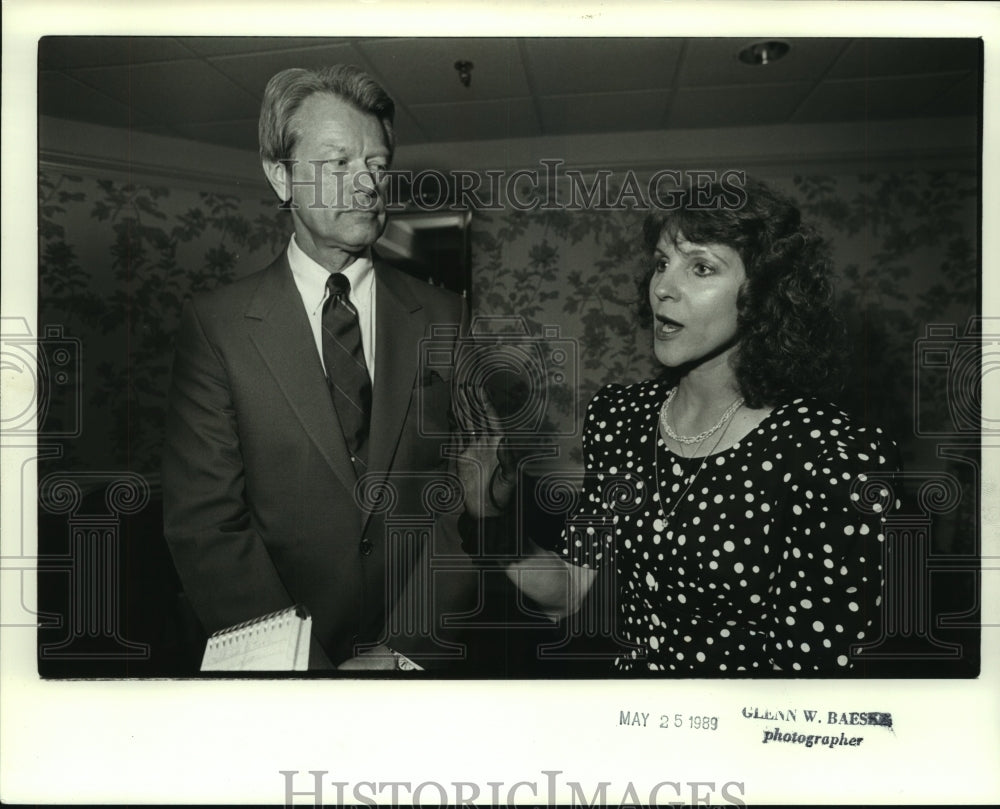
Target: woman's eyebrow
<point>701,250</point>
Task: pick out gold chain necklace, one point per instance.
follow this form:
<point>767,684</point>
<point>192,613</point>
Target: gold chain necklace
<point>656,463</point>
<point>694,439</point>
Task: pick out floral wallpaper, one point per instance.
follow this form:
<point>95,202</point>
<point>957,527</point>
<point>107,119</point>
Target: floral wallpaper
<point>117,260</point>
<point>577,271</point>
<point>905,254</point>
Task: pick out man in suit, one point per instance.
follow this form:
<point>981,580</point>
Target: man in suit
<point>297,388</point>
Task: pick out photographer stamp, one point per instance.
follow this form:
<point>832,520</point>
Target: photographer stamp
<point>824,728</point>
<point>841,717</point>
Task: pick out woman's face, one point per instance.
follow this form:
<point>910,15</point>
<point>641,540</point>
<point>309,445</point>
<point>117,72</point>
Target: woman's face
<point>693,295</point>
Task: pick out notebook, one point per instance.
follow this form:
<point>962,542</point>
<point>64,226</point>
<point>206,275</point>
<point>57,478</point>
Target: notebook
<point>278,641</point>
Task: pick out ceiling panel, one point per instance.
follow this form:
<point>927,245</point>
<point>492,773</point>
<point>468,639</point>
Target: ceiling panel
<point>66,98</point>
<point>961,98</point>
<point>566,66</point>
<point>478,120</point>
<point>872,99</point>
<point>894,57</point>
<point>422,71</point>
<point>716,62</point>
<point>190,91</point>
<point>735,106</point>
<point>209,88</point>
<point>252,72</point>
<point>229,46</point>
<point>60,52</point>
<point>407,129</point>
<point>604,112</point>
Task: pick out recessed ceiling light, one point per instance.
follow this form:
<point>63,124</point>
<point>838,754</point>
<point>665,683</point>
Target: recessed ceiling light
<point>763,53</point>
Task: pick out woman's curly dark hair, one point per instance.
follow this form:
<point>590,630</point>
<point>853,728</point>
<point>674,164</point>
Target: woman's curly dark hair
<point>790,336</point>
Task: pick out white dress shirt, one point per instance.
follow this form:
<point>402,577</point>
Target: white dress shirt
<point>310,279</point>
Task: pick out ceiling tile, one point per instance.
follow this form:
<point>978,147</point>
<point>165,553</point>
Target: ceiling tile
<point>61,97</point>
<point>183,93</point>
<point>209,88</point>
<point>587,65</point>
<point>252,72</point>
<point>874,99</point>
<point>422,71</point>
<point>92,51</point>
<point>477,120</point>
<point>716,61</point>
<point>230,46</point>
<point>894,57</point>
<point>408,131</point>
<point>735,106</point>
<point>961,98</point>
<point>603,112</point>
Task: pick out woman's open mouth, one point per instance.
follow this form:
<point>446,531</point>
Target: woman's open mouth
<point>666,327</point>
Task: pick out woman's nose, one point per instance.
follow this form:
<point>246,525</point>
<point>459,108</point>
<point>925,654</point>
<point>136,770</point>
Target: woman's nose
<point>664,285</point>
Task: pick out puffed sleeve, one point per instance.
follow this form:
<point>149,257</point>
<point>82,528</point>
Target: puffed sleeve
<point>587,537</point>
<point>826,593</point>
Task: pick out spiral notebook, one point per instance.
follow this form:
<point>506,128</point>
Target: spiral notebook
<point>278,641</point>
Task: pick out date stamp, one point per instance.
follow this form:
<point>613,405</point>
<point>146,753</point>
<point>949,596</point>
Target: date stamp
<point>785,725</point>
<point>666,721</point>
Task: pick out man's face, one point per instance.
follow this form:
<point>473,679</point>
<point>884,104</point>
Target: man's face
<point>339,168</point>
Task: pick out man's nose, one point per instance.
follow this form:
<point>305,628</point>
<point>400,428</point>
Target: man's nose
<point>365,188</point>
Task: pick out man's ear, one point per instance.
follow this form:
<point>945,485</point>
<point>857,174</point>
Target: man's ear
<point>278,176</point>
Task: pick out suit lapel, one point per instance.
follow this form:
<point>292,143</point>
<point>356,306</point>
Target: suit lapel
<point>399,328</point>
<point>280,330</point>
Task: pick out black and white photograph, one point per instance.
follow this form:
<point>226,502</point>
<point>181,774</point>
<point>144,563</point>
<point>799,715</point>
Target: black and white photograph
<point>613,392</point>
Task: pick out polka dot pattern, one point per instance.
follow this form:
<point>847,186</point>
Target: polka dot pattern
<point>753,559</point>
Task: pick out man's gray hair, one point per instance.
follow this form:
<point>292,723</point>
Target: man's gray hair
<point>286,91</point>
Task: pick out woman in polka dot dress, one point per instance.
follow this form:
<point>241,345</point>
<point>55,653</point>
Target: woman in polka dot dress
<point>724,499</point>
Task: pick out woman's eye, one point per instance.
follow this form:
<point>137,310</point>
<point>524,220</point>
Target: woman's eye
<point>703,269</point>
<point>659,265</point>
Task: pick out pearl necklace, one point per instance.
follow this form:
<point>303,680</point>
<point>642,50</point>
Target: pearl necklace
<point>695,439</point>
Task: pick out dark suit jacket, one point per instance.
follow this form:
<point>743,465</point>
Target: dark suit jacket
<point>260,503</point>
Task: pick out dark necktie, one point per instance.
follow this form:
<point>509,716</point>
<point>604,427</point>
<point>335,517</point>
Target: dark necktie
<point>346,371</point>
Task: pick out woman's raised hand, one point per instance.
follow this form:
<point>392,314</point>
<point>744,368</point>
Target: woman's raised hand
<point>486,466</point>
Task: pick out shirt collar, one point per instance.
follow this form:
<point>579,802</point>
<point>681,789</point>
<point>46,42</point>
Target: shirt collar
<point>311,275</point>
